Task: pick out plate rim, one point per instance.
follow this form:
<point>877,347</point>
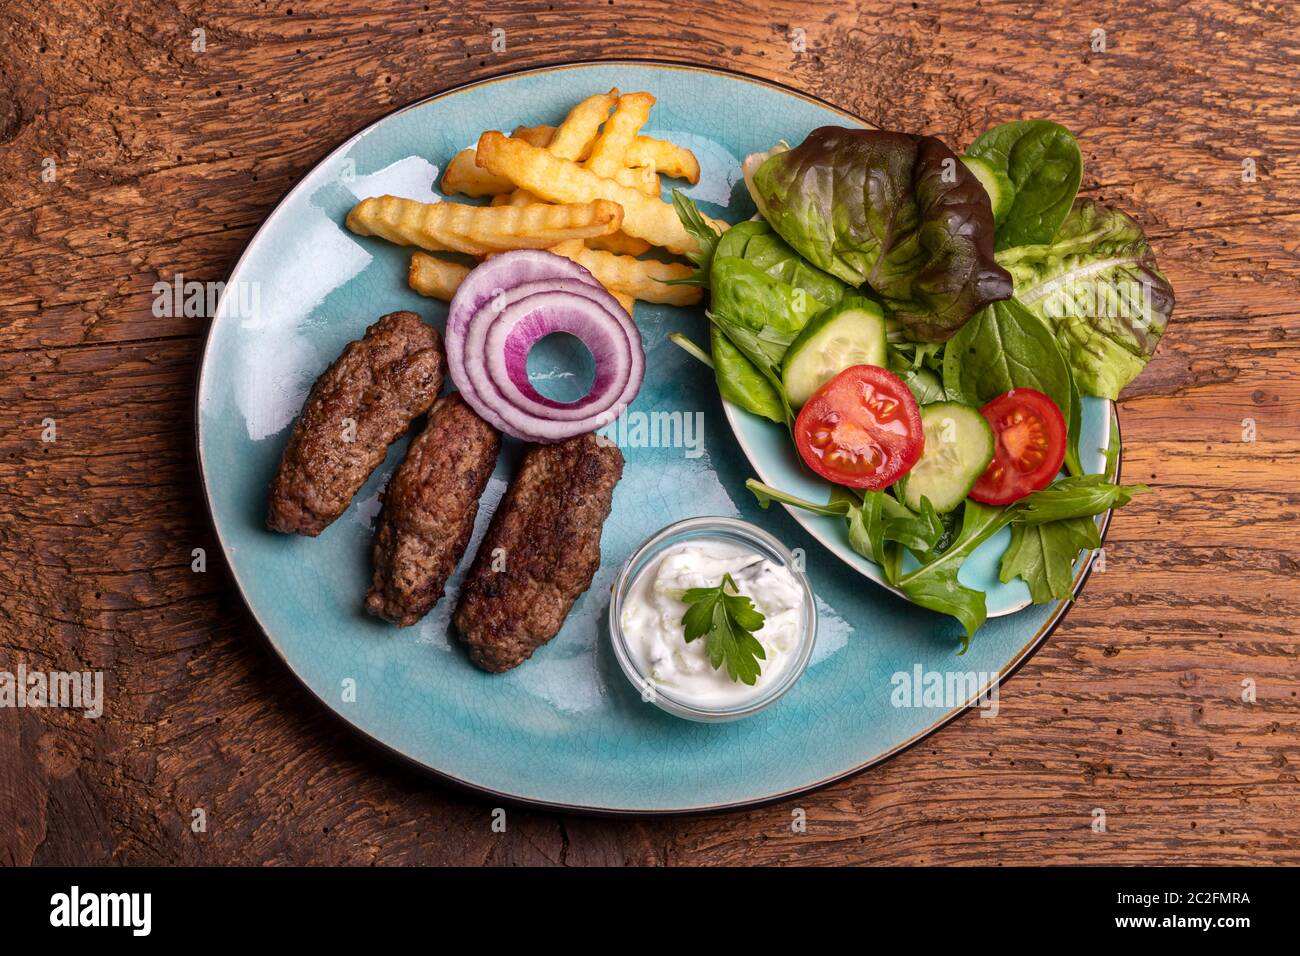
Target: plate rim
<point>477,789</point>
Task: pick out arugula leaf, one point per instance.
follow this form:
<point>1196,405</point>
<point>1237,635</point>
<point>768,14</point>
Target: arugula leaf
<point>934,584</point>
<point>1043,555</point>
<point>705,236</point>
<point>726,622</point>
<point>919,532</point>
<point>1078,496</point>
<point>876,522</point>
<point>866,526</point>
<point>906,354</point>
<point>1074,426</point>
<point>837,507</point>
<point>1111,451</point>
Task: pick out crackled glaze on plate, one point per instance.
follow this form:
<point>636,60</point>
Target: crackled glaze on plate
<point>564,729</point>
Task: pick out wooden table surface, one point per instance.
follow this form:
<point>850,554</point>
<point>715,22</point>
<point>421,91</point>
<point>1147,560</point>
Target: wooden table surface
<point>166,159</point>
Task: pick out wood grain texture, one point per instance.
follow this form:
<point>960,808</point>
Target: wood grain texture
<point>167,160</point>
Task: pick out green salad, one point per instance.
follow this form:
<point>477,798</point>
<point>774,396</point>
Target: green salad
<point>926,325</point>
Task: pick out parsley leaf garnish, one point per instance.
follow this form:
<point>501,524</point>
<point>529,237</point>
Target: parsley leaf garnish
<point>727,623</point>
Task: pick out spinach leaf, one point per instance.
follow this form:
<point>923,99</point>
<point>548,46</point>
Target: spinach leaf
<point>739,380</point>
<point>1043,555</point>
<point>934,584</point>
<point>1004,347</point>
<point>758,244</point>
<point>736,240</point>
<point>898,212</point>
<point>1097,285</point>
<point>763,294</point>
<point>760,316</point>
<point>1078,496</point>
<point>1044,166</point>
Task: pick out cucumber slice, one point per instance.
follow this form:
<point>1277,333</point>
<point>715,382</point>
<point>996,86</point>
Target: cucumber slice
<point>849,333</point>
<point>958,448</point>
<point>996,183</point>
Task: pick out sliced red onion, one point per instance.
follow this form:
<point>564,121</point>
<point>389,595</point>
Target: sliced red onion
<point>477,353</point>
<point>499,367</point>
<point>515,299</point>
<point>472,364</point>
<point>491,279</point>
<point>615,347</point>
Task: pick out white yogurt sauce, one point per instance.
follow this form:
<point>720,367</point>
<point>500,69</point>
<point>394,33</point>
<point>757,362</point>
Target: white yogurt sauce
<point>652,620</point>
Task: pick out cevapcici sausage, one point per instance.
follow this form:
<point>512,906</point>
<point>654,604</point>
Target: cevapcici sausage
<point>540,552</point>
<point>356,409</point>
<point>429,509</point>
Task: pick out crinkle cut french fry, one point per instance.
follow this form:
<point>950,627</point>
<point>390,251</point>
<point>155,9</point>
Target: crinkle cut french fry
<point>608,152</point>
<point>557,180</point>
<point>574,249</point>
<point>575,135</point>
<point>665,156</point>
<point>434,277</point>
<point>569,248</point>
<point>534,135</point>
<point>628,302</point>
<point>643,179</point>
<point>620,243</point>
<point>645,157</point>
<point>464,177</point>
<point>516,197</point>
<point>642,278</point>
<point>479,230</point>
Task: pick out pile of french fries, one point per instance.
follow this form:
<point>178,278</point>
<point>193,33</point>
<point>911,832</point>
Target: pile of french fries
<point>587,189</point>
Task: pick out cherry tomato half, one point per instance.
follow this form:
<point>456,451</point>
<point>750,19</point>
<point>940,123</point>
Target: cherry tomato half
<point>861,429</point>
<point>1029,435</point>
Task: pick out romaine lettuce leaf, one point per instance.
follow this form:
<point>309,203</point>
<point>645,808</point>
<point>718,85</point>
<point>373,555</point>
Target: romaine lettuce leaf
<point>1098,286</point>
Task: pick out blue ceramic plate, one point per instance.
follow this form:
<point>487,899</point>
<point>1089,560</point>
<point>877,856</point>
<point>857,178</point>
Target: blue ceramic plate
<point>565,729</point>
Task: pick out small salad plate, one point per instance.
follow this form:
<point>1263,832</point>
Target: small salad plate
<point>769,449</point>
